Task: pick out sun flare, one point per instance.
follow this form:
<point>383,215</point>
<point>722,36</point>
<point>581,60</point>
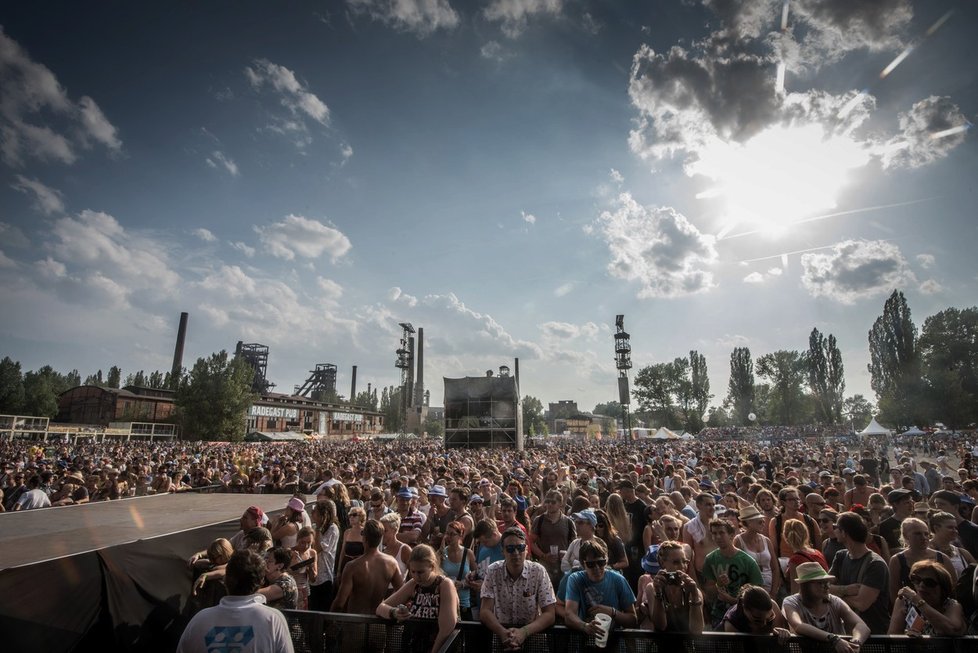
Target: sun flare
<point>780,176</point>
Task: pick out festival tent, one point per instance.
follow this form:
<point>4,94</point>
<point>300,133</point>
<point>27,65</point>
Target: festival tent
<point>687,436</point>
<point>913,430</point>
<point>275,436</point>
<point>664,434</point>
<point>874,428</point>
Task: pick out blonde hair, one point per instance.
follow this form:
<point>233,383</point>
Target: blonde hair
<point>796,535</point>
<point>614,507</point>
<point>906,523</point>
<point>424,553</point>
<point>357,511</point>
<point>219,552</point>
<point>391,519</point>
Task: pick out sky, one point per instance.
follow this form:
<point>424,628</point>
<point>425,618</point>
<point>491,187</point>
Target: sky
<point>508,174</point>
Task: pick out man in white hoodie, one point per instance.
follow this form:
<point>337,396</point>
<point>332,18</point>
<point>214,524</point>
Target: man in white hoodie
<point>241,622</point>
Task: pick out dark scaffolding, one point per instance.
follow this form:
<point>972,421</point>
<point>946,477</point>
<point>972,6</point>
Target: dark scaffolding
<point>256,356</point>
<point>483,411</point>
<point>623,361</point>
<point>321,384</point>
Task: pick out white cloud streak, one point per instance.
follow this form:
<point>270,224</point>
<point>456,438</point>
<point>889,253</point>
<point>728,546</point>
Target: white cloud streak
<point>296,235</point>
<point>46,200</point>
<point>420,17</point>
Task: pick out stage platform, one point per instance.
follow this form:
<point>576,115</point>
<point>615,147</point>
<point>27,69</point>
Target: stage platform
<point>32,536</point>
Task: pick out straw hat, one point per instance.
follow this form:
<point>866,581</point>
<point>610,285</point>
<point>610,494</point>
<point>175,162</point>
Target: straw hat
<point>750,512</point>
<point>809,571</point>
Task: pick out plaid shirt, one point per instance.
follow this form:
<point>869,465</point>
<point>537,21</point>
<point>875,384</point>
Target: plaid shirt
<point>519,601</point>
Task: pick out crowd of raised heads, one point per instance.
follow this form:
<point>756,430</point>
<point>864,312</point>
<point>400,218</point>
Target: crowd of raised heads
<point>824,538</point>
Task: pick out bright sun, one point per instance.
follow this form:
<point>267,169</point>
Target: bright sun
<point>779,176</point>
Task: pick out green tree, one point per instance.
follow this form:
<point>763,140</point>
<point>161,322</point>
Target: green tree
<point>786,372</point>
<point>11,387</point>
<point>72,379</point>
<point>41,390</point>
<point>366,399</point>
<point>94,379</point>
<point>213,398</point>
<point>948,349</point>
<point>655,389</point>
<point>717,417</point>
<point>700,380</point>
<point>610,409</point>
<point>435,428</point>
<point>858,410</point>
<point>894,365</point>
<point>157,381</point>
<point>826,378</point>
<point>533,414</point>
<point>114,378</point>
<point>740,389</point>
<point>390,406</point>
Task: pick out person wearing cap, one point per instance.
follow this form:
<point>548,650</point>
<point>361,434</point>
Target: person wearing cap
<point>286,526</point>
<point>440,515</point>
<point>862,576</point>
<point>815,613</point>
<point>477,508</point>
<point>901,501</point>
<point>412,519</point>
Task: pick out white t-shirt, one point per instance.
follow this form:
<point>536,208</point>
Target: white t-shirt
<point>243,624</point>
<point>34,499</point>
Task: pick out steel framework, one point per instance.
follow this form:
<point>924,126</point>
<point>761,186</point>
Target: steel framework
<point>623,361</point>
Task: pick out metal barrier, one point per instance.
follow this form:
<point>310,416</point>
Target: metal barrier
<point>329,632</point>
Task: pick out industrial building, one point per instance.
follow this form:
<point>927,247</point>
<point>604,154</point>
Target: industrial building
<point>484,411</point>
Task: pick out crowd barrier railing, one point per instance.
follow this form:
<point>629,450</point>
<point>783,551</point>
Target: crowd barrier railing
<point>329,632</point>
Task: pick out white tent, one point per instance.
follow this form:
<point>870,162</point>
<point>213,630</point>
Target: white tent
<point>874,428</point>
<point>687,436</point>
<point>664,434</point>
<point>913,430</point>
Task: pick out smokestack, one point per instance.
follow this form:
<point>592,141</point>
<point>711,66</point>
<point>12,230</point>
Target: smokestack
<point>178,351</point>
<point>409,390</point>
<point>419,386</point>
<point>353,385</point>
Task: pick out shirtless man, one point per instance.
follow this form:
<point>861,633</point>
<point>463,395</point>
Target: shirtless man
<point>371,574</point>
<point>860,492</point>
<point>696,531</point>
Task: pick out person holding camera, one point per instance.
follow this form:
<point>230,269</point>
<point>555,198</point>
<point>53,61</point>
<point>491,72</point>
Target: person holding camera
<point>672,603</point>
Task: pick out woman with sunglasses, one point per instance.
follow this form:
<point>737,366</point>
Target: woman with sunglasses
<point>926,607</point>
<point>606,531</point>
<point>814,612</point>
<point>428,603</point>
<point>915,536</point>
<point>457,562</point>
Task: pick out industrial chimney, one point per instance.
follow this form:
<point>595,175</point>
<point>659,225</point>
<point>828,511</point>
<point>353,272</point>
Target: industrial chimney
<point>353,385</point>
<point>178,352</point>
<point>419,386</point>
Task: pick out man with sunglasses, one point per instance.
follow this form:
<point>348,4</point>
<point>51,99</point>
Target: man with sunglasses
<point>595,590</point>
<point>517,596</point>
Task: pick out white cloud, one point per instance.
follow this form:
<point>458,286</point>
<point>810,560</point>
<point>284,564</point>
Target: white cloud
<point>514,14</point>
<point>568,331</point>
<point>421,17</point>
<point>855,269</point>
<point>12,236</point>
<point>493,50</point>
<point>205,235</point>
<point>32,96</point>
<point>835,27</point>
<point>617,177</point>
<point>931,287</point>
<point>292,94</point>
<point>296,235</point>
<point>929,131</point>
<point>657,247</point>
<point>95,249</point>
<point>219,159</point>
<point>346,151</point>
<point>231,279</point>
<point>776,272</point>
<point>564,289</point>
<point>926,261</point>
<point>395,294</point>
<point>247,250</point>
<point>528,218</point>
<point>47,200</point>
<point>332,291</point>
<point>754,277</point>
<point>473,331</point>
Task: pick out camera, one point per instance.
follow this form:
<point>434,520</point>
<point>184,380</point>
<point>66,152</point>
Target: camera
<point>673,578</point>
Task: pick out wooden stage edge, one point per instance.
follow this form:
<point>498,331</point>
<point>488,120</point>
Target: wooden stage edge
<point>31,536</point>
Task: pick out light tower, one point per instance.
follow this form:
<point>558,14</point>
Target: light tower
<point>623,361</point>
<point>405,363</point>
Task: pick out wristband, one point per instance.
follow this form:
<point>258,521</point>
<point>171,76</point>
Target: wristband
<point>833,638</point>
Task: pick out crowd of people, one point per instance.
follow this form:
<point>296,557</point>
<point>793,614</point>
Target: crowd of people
<point>806,536</point>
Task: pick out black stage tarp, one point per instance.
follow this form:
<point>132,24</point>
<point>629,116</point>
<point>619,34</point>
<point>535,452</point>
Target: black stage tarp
<point>111,575</point>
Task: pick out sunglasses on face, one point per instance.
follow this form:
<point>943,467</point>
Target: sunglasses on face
<point>599,563</point>
<point>929,583</point>
<point>515,548</point>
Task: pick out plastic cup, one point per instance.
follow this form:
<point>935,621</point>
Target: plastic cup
<point>604,621</point>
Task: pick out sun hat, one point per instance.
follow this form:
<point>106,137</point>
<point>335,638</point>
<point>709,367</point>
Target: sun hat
<point>437,491</point>
<point>750,512</point>
<point>296,504</point>
<point>811,571</point>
